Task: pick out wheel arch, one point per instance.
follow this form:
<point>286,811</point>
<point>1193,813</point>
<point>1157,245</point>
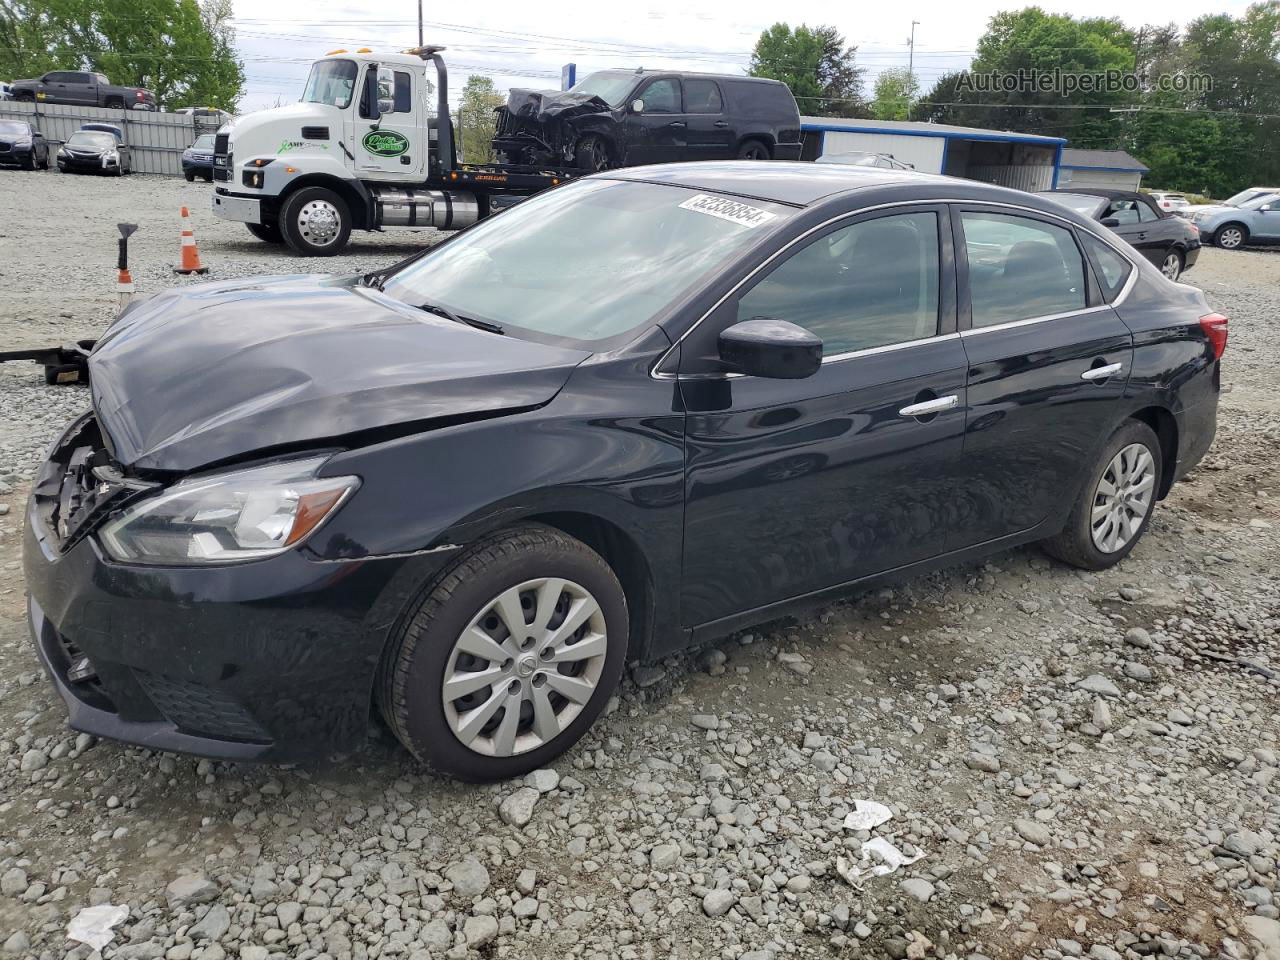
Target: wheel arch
<point>1165,426</point>
<point>357,198</point>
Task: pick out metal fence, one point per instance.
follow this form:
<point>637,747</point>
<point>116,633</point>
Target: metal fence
<point>156,140</point>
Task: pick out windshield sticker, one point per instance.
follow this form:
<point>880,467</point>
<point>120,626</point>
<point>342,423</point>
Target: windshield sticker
<point>732,210</point>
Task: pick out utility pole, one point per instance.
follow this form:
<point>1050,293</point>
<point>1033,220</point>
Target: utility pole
<point>911,48</point>
<point>419,23</point>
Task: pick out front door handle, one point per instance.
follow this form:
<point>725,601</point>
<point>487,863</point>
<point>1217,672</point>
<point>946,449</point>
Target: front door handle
<point>1102,373</point>
<point>676,123</point>
<point>927,408</point>
<point>722,123</point>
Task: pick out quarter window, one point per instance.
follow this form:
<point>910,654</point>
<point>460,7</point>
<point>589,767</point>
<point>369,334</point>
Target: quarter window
<point>662,96</point>
<point>702,96</point>
<point>1113,269</point>
<point>1020,268</point>
<point>871,284</point>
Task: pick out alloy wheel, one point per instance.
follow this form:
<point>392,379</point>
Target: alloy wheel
<point>524,667</point>
<point>1230,238</point>
<point>1123,498</point>
<point>319,222</point>
<point>1172,266</point>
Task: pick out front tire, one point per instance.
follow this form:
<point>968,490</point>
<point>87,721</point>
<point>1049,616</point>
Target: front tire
<point>1231,236</point>
<point>315,222</point>
<point>266,232</point>
<point>190,175</point>
<point>509,658</point>
<point>1114,507</point>
<point>1171,266</point>
<point>591,154</point>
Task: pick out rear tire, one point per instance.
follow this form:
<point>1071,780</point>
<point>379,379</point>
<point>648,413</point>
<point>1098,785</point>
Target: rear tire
<point>315,222</point>
<point>753,150</point>
<point>1231,236</point>
<point>519,573</point>
<point>1171,266</point>
<point>1114,506</point>
<point>266,232</point>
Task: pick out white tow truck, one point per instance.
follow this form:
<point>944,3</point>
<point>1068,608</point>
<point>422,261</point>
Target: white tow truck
<point>364,149</point>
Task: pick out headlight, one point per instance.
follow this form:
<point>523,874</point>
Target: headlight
<point>22,142</point>
<point>229,517</point>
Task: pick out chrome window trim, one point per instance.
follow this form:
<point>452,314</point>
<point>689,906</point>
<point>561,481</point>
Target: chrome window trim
<point>889,347</point>
<point>1013,324</point>
<point>657,374</point>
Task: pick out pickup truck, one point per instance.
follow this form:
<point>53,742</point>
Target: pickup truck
<point>82,89</point>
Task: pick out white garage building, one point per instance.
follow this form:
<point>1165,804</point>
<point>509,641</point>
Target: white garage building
<point>1108,169</point>
<point>1024,161</point>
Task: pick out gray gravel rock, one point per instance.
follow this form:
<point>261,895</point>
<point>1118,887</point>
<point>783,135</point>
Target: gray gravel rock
<point>469,877</point>
<point>190,889</point>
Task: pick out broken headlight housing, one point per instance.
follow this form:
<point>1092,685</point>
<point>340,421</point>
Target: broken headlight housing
<point>229,517</point>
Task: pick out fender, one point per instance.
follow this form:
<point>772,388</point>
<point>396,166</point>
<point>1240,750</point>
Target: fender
<point>317,171</point>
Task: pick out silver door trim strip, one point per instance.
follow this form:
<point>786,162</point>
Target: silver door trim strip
<point>657,374</point>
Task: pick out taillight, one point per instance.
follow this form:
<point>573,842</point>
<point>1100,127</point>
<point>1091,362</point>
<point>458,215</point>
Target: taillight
<point>1214,326</point>
<point>139,94</point>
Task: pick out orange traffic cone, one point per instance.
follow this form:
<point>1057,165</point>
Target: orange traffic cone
<point>190,253</point>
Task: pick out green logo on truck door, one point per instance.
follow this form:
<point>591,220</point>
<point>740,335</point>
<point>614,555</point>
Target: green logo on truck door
<point>385,143</point>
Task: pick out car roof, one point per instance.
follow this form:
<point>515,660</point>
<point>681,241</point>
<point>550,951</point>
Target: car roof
<point>696,74</point>
<point>803,184</point>
<point>1100,192</point>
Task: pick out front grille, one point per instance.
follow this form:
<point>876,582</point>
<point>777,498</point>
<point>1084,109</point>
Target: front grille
<point>220,143</point>
<point>5,146</point>
<point>201,711</point>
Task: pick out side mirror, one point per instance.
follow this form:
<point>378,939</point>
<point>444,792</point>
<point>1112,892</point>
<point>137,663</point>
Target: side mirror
<point>637,106</point>
<point>1110,222</point>
<point>765,347</point>
<point>386,105</point>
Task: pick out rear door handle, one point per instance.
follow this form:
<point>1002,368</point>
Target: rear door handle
<point>722,123</point>
<point>1102,373</point>
<point>928,407</point>
<point>676,123</point>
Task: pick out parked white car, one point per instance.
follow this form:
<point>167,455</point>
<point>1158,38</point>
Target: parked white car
<point>1244,196</point>
<point>1172,202</point>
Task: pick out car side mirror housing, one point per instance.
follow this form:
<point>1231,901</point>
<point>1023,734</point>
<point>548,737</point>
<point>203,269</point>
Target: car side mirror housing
<point>637,106</point>
<point>1110,222</point>
<point>772,348</point>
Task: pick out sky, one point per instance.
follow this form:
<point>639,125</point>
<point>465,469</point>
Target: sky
<point>520,45</point>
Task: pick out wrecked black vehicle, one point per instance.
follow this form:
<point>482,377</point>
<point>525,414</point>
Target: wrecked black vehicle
<point>616,118</point>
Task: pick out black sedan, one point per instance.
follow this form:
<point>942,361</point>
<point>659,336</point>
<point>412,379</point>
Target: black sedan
<point>636,411</point>
<point>22,144</point>
<point>94,151</point>
<point>1169,241</point>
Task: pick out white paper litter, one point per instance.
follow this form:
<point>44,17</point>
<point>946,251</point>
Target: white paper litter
<point>892,858</point>
<point>867,815</point>
<point>92,925</point>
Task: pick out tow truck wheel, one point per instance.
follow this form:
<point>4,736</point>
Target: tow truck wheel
<point>315,222</point>
<point>266,232</point>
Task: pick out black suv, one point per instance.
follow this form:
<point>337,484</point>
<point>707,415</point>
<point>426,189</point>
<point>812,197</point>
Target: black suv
<point>618,118</point>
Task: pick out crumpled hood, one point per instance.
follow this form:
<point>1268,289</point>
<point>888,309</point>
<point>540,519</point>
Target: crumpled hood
<point>198,375</point>
<point>543,105</point>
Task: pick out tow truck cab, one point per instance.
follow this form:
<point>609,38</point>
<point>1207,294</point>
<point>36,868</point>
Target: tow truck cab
<point>370,145</point>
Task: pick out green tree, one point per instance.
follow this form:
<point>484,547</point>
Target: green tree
<point>815,63</point>
<point>181,50</point>
<point>895,89</point>
<point>476,121</point>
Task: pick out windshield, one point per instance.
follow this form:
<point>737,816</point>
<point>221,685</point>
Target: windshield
<point>1081,203</point>
<point>83,139</point>
<point>1257,202</point>
<point>1242,196</point>
<point>331,82</point>
<point>14,128</point>
<point>204,142</point>
<point>610,86</point>
<point>587,261</point>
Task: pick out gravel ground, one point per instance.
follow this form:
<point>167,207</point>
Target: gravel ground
<point>1085,764</point>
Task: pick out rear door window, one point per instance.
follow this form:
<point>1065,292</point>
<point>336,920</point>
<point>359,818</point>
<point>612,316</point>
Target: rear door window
<point>1020,268</point>
<point>702,96</point>
<point>1112,269</point>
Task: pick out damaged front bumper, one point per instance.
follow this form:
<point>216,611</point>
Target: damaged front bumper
<point>272,660</point>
